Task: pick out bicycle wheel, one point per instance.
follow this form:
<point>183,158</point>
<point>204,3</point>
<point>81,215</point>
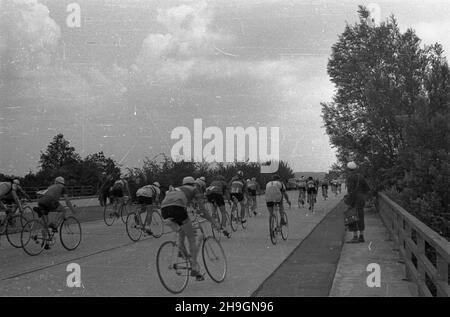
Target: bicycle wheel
<point>70,233</point>
<point>244,223</point>
<point>228,224</point>
<point>273,228</point>
<point>133,226</point>
<point>124,213</point>
<point>249,211</point>
<point>109,214</point>
<point>157,226</point>
<point>32,237</point>
<point>3,219</point>
<point>234,218</point>
<point>173,270</point>
<point>285,228</point>
<point>217,218</point>
<point>214,259</point>
<point>14,226</point>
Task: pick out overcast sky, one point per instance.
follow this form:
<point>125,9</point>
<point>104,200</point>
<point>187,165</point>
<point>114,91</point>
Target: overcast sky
<point>136,69</point>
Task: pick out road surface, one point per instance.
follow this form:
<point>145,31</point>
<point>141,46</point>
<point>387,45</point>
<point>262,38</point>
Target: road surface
<point>112,265</point>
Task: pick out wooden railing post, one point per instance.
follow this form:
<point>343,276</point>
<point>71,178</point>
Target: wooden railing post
<point>442,268</point>
<point>419,256</point>
<point>408,253</point>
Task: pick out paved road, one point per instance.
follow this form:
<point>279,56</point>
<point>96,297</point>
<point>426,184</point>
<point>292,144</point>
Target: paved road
<point>112,265</point>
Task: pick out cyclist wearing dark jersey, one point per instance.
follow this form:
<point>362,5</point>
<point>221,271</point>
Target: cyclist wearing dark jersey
<point>252,187</point>
<point>238,190</point>
<point>216,192</point>
<point>311,189</point>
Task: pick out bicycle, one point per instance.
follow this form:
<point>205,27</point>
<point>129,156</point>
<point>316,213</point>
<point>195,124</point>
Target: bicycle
<point>135,225</point>
<point>174,266</point>
<point>12,223</point>
<point>301,198</point>
<point>275,226</point>
<point>34,236</point>
<point>110,212</point>
<point>216,214</point>
<point>324,193</point>
<point>311,201</point>
<point>236,215</point>
<point>251,207</point>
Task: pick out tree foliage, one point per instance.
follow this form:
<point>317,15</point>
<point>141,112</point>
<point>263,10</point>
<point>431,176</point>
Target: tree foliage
<point>390,114</point>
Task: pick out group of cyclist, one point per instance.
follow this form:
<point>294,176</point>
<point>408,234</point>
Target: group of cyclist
<point>309,188</point>
<point>173,206</point>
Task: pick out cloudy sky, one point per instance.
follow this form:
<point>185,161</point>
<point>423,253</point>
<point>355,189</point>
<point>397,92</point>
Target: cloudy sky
<point>137,69</point>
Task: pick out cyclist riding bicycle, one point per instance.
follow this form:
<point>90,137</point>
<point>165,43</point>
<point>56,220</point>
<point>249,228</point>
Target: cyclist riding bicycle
<point>311,190</point>
<point>118,191</point>
<point>49,202</point>
<point>252,186</point>
<point>275,191</point>
<point>9,194</point>
<point>146,196</point>
<point>216,192</point>
<point>104,191</point>
<point>325,188</point>
<point>302,190</point>
<point>238,190</point>
<point>174,206</point>
<point>201,184</point>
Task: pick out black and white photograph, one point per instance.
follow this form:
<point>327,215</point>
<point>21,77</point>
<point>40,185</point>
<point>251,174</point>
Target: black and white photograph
<point>224,154</point>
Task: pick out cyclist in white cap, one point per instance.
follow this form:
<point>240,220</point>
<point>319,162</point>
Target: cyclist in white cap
<point>173,207</point>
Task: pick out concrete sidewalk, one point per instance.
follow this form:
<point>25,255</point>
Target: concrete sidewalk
<point>351,274</point>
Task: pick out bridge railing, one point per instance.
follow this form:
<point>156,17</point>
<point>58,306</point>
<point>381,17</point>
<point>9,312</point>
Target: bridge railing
<point>426,254</point>
<point>72,191</point>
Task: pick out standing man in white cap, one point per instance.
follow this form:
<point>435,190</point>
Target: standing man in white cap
<point>358,189</point>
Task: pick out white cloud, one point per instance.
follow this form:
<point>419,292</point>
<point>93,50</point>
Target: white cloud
<point>28,33</point>
<point>432,32</point>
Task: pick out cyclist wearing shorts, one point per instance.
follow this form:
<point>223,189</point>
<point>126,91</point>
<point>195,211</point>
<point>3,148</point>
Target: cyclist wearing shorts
<point>325,188</point>
<point>118,191</point>
<point>311,189</point>
<point>9,194</point>
<point>238,190</point>
<point>252,187</point>
<point>174,206</point>
<point>302,190</point>
<point>49,202</point>
<point>216,193</point>
<point>275,191</point>
<point>146,196</point>
<point>104,191</point>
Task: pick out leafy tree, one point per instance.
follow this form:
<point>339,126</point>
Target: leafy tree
<point>59,153</point>
<point>390,114</point>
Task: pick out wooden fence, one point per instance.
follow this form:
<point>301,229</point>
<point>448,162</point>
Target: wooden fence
<point>426,254</point>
